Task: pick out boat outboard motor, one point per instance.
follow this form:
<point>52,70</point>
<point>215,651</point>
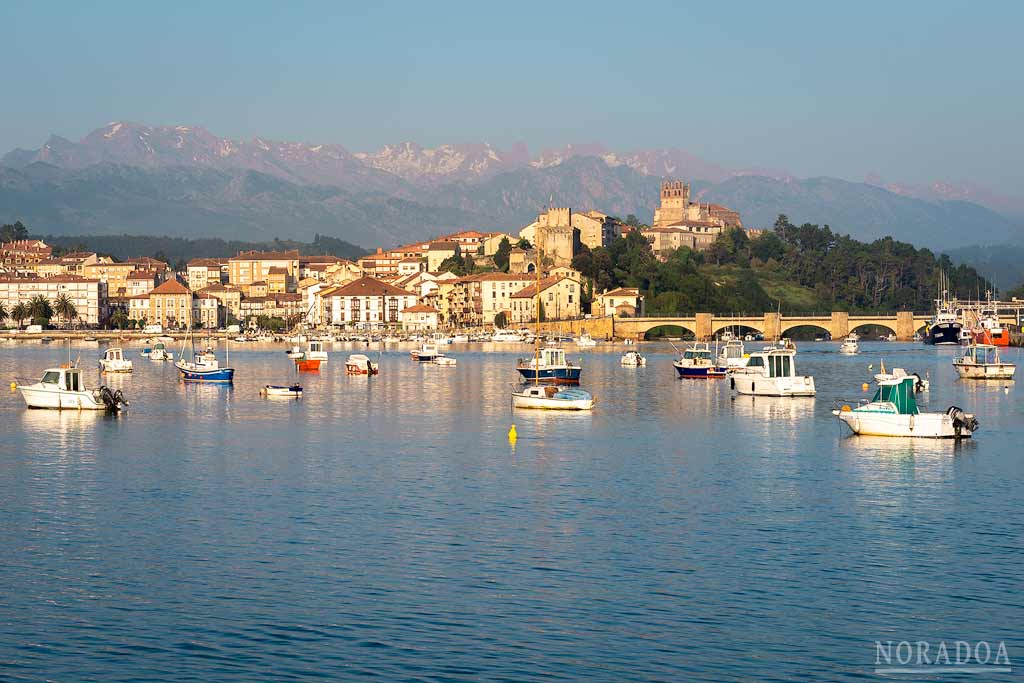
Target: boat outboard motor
<point>113,400</point>
<point>918,384</point>
<point>962,420</point>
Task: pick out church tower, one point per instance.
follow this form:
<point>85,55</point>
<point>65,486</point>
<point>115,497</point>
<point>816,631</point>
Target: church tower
<point>675,198</point>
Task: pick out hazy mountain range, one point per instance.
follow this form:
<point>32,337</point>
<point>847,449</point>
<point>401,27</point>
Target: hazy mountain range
<point>183,180</point>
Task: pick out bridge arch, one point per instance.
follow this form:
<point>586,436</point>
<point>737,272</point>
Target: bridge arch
<point>738,329</point>
<point>669,330</point>
<point>884,324</point>
<point>788,329</point>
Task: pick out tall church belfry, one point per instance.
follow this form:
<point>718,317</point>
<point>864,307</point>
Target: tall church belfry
<point>675,201</point>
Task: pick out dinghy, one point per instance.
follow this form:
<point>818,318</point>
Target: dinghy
<point>272,391</point>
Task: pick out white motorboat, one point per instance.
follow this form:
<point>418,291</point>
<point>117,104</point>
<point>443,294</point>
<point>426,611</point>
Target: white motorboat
<point>114,361</point>
<point>585,341</point>
<point>160,352</point>
<point>893,411</point>
<point>982,361</point>
<point>295,352</point>
<point>445,360</point>
<point>360,364</point>
<point>733,355</point>
<point>63,389</point>
<point>460,339</point>
<point>771,372</point>
<point>315,351</point>
<point>547,397</point>
<point>426,352</point>
<point>272,391</point>
<point>506,336</point>
<point>633,359</point>
<point>849,346</point>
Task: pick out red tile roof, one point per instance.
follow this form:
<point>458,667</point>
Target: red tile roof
<point>170,287</point>
<point>419,308</point>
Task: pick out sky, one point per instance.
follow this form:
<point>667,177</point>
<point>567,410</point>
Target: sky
<point>912,91</point>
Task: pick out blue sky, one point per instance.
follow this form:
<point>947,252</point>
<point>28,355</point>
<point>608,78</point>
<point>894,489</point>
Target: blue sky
<point>914,91</point>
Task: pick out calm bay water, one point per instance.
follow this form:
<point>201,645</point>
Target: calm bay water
<point>385,528</point>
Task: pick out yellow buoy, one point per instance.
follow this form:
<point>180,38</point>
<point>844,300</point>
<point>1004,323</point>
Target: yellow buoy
<point>512,436</point>
<point>14,386</point>
<point>864,387</point>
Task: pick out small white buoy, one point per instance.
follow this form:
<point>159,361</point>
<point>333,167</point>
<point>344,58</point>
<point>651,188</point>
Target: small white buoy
<point>1006,389</point>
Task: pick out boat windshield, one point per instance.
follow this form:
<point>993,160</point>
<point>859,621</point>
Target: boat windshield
<point>755,362</point>
<point>50,377</point>
<point>697,354</point>
<point>780,365</point>
<point>983,355</point>
<point>901,395</point>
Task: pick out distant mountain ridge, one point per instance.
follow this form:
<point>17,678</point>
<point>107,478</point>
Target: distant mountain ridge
<point>183,180</point>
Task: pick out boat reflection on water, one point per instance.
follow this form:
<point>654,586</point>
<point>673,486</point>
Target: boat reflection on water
<point>64,432</point>
<point>771,410</point>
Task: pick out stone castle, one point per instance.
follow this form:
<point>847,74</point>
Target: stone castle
<point>679,222</point>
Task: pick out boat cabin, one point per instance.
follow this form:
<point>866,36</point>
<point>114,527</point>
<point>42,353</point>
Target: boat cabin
<point>981,354</point>
<point>114,353</point>
<point>773,363</point>
<point>550,357</point>
<point>899,393</point>
<point>697,354</point>
<point>316,347</point>
<point>65,379</point>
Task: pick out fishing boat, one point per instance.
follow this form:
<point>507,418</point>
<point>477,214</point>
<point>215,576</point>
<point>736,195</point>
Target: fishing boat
<point>585,341</point>
<point>945,327</point>
<point>771,372</point>
<point>506,336</point>
<point>315,351</point>
<point>849,345</point>
<point>549,365</point>
<point>295,352</point>
<point>160,352</point>
<point>113,360</point>
<point>360,364</point>
<point>893,411</point>
<point>202,367</point>
<point>63,389</point>
<point>697,362</point>
<point>426,352</point>
<point>982,361</point>
<point>632,359</point>
<point>990,330</point>
<point>733,354</point>
<point>308,364</point>
<point>272,391</point>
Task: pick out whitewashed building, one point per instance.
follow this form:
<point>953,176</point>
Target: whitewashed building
<point>88,295</point>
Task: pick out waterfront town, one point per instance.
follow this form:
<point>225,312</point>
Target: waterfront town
<point>411,286</point>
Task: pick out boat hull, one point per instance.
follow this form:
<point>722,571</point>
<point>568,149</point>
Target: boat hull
<point>60,399</point>
<point>520,400</point>
<point>759,385</point>
<point>988,371</point>
<point>944,334</point>
<point>564,375</point>
<point>923,425</point>
<point>424,357</point>
<point>221,375</point>
<point>1000,338</point>
<point>307,365</point>
<point>271,391</point>
<point>706,372</point>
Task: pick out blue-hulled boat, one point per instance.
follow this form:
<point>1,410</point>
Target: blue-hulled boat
<point>202,367</point>
<point>696,362</point>
<point>549,366</point>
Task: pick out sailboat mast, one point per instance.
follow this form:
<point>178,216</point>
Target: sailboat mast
<point>536,334</point>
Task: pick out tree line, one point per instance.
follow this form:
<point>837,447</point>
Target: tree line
<point>837,271</point>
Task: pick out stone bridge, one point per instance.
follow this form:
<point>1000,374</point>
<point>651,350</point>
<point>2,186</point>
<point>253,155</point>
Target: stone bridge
<point>772,325</point>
